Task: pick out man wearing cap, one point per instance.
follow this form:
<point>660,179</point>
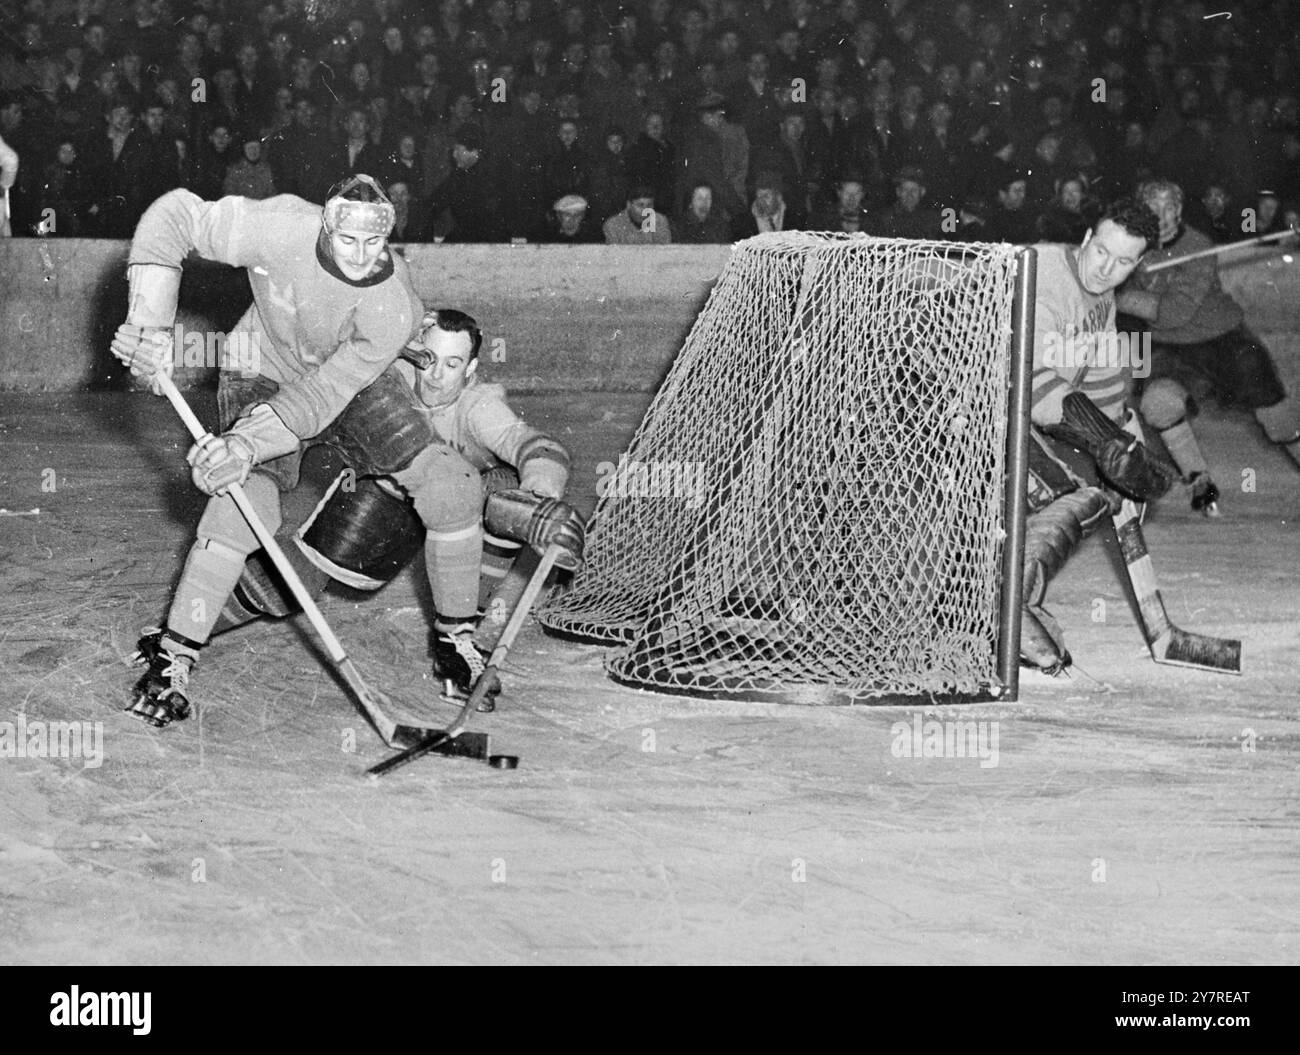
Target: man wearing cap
<point>567,224</point>
<point>332,310</point>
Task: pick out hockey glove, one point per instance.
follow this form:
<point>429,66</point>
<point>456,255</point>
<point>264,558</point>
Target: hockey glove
<point>147,350</point>
<point>258,436</point>
<point>538,521</point>
<point>1122,460</point>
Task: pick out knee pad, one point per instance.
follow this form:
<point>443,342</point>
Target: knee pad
<point>1164,403</point>
<point>222,521</point>
<point>361,533</point>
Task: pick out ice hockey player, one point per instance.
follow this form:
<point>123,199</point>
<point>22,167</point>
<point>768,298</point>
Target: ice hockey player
<point>363,534</point>
<point>1079,392</point>
<point>1199,347</point>
<point>332,309</point>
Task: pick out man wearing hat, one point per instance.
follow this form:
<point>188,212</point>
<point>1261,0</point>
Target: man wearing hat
<point>716,152</point>
<point>567,224</point>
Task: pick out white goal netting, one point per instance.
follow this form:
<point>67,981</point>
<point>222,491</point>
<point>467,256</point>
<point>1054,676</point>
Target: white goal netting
<point>814,501</point>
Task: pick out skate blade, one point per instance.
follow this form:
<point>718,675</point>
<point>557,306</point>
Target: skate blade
<point>451,694</point>
<point>152,715</point>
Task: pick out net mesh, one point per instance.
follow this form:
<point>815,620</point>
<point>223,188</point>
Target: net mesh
<point>814,498</point>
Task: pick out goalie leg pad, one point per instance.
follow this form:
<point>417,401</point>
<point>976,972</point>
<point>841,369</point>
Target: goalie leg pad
<point>382,431</point>
<point>361,533</point>
<point>1052,535</point>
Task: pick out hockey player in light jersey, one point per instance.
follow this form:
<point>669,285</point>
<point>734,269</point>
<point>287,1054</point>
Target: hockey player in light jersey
<point>364,534</point>
<point>332,309</point>
<point>1079,393</point>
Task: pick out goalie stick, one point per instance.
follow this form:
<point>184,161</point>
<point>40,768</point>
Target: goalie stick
<point>374,703</point>
<point>441,742</point>
<point>1168,643</point>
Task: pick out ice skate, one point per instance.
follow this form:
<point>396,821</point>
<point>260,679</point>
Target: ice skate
<point>458,662</point>
<point>1205,496</point>
<point>160,694</point>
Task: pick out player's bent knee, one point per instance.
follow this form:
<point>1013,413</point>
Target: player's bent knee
<point>447,491</point>
<point>1164,402</point>
<point>222,521</point>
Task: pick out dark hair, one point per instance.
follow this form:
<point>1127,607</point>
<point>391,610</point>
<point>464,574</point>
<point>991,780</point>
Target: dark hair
<point>454,321</point>
<point>640,190</point>
<point>1134,216</point>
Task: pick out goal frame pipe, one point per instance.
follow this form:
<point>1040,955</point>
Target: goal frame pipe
<point>1017,473</point>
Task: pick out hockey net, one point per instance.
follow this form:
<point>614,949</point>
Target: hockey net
<point>812,508</point>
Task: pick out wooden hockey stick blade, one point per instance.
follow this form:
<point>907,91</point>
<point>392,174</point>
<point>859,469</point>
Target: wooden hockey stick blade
<point>1168,643</point>
<point>435,741</point>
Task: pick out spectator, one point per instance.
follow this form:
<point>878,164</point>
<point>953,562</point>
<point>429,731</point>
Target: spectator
<point>1064,219</point>
<point>699,223</point>
<point>568,224</point>
<point>66,193</point>
<point>114,167</point>
<point>1213,214</point>
<point>470,197</point>
<point>208,173</point>
<point>909,216</point>
<point>717,152</point>
<point>356,153</point>
<point>412,223</point>
<point>638,223</point>
<point>849,214</point>
<point>250,176</point>
<point>568,169</point>
<point>652,158</point>
<point>786,158</point>
<point>767,212</point>
<point>8,176</point>
<point>1011,221</point>
<point>607,183</point>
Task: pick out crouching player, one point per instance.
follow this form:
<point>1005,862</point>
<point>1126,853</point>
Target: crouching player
<point>1079,401</point>
<point>365,530</point>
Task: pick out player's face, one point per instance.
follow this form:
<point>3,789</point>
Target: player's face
<point>1108,256</point>
<point>1169,212</point>
<point>450,367</point>
<point>356,252</point>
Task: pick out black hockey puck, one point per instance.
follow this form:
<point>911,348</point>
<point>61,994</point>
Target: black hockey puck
<point>504,761</point>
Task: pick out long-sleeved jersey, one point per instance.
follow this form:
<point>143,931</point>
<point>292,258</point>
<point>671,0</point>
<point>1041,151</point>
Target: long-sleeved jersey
<point>1193,305</point>
<point>486,432</point>
<point>320,336</point>
<point>1074,346</point>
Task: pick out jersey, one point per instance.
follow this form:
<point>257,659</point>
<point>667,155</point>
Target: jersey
<point>319,336</point>
<point>1074,345</point>
<point>1193,304</point>
<point>482,428</point>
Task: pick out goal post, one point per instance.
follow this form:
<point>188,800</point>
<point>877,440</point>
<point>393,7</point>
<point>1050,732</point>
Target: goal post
<point>825,500</point>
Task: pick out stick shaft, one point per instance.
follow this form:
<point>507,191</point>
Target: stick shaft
<point>1217,250</point>
<point>486,679</point>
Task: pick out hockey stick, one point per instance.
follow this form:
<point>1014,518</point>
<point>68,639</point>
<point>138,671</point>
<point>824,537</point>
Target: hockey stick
<point>1218,250</point>
<point>373,702</point>
<point>1168,643</point>
<point>436,741</point>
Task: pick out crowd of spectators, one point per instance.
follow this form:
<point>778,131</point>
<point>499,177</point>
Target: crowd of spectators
<point>658,121</point>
